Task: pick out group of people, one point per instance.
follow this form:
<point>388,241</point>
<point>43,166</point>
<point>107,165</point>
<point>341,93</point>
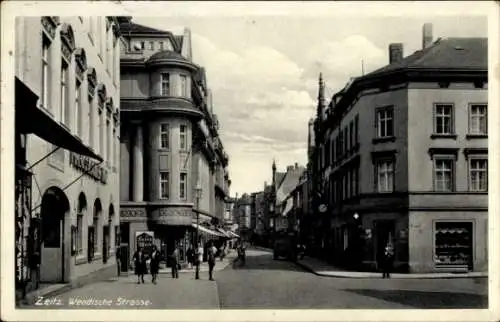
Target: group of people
<point>194,258</point>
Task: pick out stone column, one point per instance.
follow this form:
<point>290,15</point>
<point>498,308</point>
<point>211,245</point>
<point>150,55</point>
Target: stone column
<point>138,165</point>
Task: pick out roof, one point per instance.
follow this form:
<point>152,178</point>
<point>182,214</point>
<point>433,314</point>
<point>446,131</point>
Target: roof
<point>279,178</point>
<point>289,183</point>
<point>448,53</point>
<point>166,54</point>
<point>178,40</point>
<point>134,28</point>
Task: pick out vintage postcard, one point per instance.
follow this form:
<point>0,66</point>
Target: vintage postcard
<point>226,161</point>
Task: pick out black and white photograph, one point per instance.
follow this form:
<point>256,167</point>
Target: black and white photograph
<point>263,157</point>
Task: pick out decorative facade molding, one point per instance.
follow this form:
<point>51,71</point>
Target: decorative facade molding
<point>133,213</point>
<point>67,41</point>
<point>49,24</point>
<point>92,80</point>
<point>110,105</point>
<point>101,92</point>
<point>81,62</point>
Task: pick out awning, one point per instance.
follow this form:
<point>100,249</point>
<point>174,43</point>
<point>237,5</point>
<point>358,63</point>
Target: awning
<point>233,234</point>
<point>31,119</point>
<point>207,231</point>
<point>223,232</point>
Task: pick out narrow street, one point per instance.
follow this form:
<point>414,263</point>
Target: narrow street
<point>263,283</point>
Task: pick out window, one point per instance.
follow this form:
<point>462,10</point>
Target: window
<point>443,174</point>
<point>183,186</point>
<point>91,120</point>
<point>477,119</point>
<point>164,185</point>
<point>183,137</point>
<point>165,84</point>
<point>351,135</point>
<point>64,111</point>
<point>143,45</point>
<point>161,45</point>
<point>108,142</point>
<point>478,175</point>
<point>443,114</point>
<point>45,72</point>
<point>151,45</point>
<point>164,136</point>
<point>184,92</point>
<point>346,140</point>
<point>384,175</point>
<point>79,234</point>
<point>385,122</point>
<point>78,109</point>
<point>356,129</point>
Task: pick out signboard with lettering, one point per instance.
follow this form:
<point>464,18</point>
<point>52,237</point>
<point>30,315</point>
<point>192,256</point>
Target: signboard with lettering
<point>145,240</point>
<point>89,167</point>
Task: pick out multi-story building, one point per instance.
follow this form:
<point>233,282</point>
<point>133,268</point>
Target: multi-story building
<point>243,214</point>
<point>174,167</point>
<point>67,146</point>
<point>300,212</point>
<point>403,156</point>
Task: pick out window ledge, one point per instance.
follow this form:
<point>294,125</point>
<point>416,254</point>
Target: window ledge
<point>443,136</point>
<point>384,139</point>
<point>476,136</point>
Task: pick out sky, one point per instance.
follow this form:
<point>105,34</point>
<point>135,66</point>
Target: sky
<point>263,72</point>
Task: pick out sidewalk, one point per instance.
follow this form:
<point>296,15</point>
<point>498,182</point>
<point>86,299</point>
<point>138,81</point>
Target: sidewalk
<point>322,268</point>
<point>219,265</point>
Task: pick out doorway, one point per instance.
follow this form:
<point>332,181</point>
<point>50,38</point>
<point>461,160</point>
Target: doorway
<point>383,232</point>
<point>55,206</point>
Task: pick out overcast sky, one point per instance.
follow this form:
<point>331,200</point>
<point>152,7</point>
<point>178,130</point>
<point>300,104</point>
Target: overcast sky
<point>263,72</point>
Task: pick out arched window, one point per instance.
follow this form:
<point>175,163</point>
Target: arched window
<point>101,101</point>
<point>81,67</point>
<point>91,85</point>
<point>67,49</point>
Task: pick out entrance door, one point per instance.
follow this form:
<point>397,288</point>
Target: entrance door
<point>383,231</point>
<point>105,243</point>
<point>54,207</point>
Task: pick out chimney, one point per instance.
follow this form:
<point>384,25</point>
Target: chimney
<point>427,35</point>
<point>289,168</point>
<point>395,53</point>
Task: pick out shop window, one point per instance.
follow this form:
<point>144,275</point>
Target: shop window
<point>453,244</point>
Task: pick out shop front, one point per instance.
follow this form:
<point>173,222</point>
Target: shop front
<point>34,244</point>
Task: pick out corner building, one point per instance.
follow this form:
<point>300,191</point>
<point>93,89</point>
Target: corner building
<point>67,146</point>
<point>170,143</point>
<point>403,156</point>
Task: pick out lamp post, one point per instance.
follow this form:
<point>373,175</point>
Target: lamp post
<point>198,191</point>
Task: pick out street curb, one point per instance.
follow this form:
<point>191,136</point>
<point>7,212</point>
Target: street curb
<point>364,275</point>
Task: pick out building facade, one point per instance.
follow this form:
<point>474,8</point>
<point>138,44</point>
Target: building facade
<point>418,178</point>
<point>67,141</point>
<point>174,167</point>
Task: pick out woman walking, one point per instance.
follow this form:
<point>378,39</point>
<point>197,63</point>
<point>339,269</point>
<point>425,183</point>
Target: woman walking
<point>140,265</point>
<point>155,264</point>
<point>174,260</point>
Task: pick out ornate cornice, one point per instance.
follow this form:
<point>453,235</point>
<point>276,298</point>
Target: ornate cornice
<point>137,213</point>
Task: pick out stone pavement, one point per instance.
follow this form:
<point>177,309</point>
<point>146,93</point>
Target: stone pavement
<point>322,268</point>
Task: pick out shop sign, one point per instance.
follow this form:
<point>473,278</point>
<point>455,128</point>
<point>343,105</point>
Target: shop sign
<point>144,239</point>
<point>89,167</point>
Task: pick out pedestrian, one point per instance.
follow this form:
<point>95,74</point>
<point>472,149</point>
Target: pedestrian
<point>154,264</point>
<point>198,260</point>
<point>190,256</point>
<point>174,260</point>
<point>211,255</point>
<point>140,264</point>
<point>388,260</point>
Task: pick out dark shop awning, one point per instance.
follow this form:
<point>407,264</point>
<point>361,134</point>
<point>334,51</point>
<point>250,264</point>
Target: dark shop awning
<point>32,120</point>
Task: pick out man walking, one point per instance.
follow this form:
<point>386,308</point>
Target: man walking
<point>174,261</point>
<point>212,252</point>
<point>388,260</point>
<point>198,260</point>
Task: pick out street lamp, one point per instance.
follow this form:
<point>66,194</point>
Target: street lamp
<point>356,216</point>
<point>198,191</point>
